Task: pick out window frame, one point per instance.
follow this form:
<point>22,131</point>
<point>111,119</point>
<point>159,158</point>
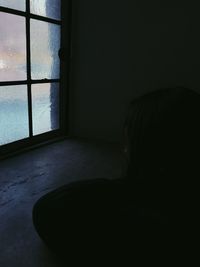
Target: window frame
<point>65,56</point>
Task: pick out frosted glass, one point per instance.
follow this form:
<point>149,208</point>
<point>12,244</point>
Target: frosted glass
<point>46,8</point>
<point>13,113</point>
<point>15,4</point>
<point>12,47</point>
<point>45,45</point>
<point>45,107</point>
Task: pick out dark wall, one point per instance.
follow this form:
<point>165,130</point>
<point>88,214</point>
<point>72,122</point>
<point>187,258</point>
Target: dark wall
<point>121,49</point>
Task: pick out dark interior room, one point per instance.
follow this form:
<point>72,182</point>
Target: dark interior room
<point>99,132</point>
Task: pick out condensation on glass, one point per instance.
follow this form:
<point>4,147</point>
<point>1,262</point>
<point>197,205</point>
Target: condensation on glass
<point>46,8</point>
<point>13,113</point>
<point>12,47</point>
<point>45,107</point>
<point>45,45</point>
<point>15,4</point>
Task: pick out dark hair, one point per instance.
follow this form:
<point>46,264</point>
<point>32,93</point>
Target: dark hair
<point>162,131</point>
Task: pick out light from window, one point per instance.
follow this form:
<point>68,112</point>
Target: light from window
<point>15,4</point>
<point>29,68</point>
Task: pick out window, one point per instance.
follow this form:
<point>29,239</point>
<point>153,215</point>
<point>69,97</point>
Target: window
<point>30,71</point>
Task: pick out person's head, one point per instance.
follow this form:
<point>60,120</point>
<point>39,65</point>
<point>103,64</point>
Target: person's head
<point>163,134</point>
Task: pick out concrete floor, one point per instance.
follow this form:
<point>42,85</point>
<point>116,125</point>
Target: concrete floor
<point>26,177</point>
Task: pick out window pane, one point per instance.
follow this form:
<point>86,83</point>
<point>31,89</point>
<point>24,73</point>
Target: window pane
<point>15,4</point>
<point>45,45</point>
<point>13,113</point>
<point>45,107</point>
<point>12,47</point>
<point>47,8</point>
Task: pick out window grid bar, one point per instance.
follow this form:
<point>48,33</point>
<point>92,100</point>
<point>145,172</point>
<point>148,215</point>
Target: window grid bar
<point>46,19</point>
<point>45,81</point>
<point>7,83</point>
<point>12,11</point>
<point>29,15</point>
<point>28,62</point>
